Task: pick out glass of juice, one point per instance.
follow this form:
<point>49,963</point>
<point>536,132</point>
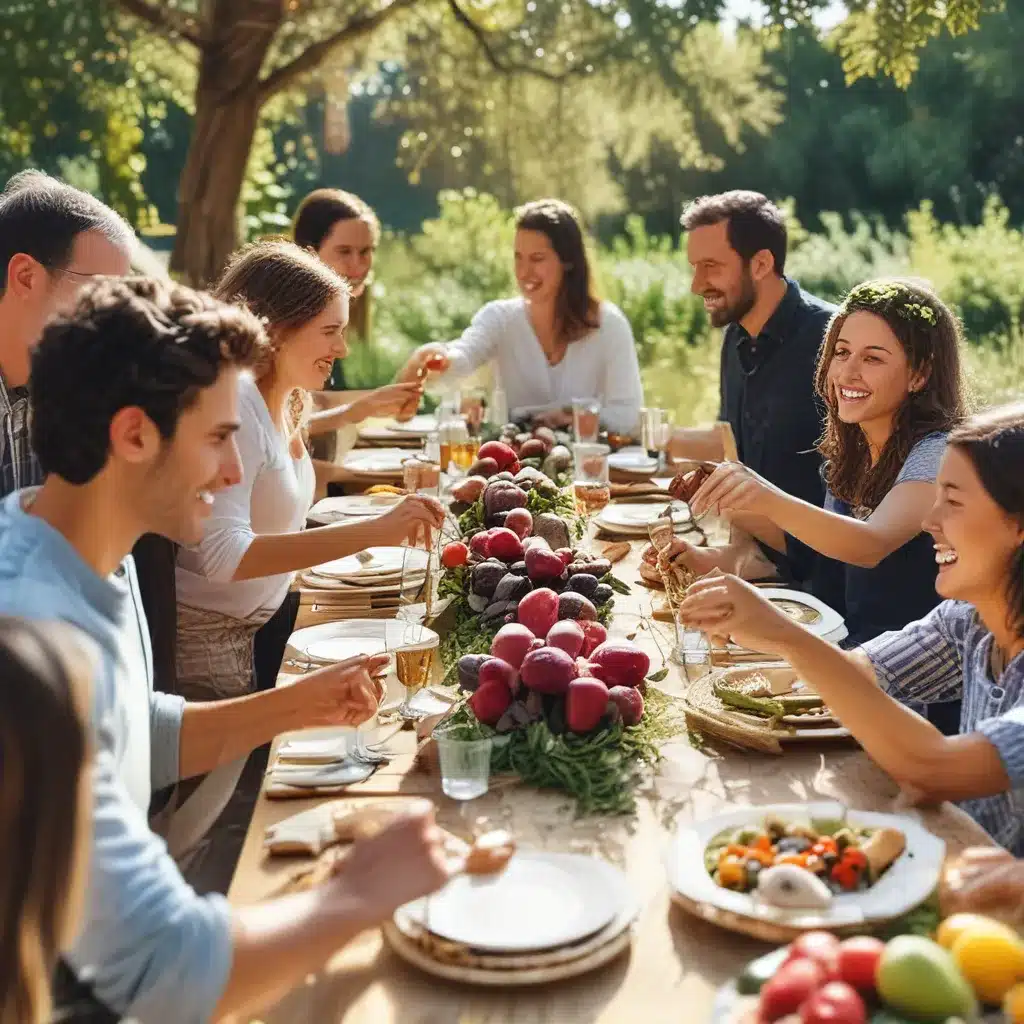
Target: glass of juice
<point>590,477</point>
<point>586,420</point>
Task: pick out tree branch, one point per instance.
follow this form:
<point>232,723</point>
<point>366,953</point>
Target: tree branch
<point>316,53</point>
<point>165,20</point>
<point>496,62</point>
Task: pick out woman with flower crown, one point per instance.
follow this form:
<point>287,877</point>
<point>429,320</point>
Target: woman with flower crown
<point>890,376</point>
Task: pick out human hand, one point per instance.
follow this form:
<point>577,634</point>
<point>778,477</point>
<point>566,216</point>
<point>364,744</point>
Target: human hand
<point>733,487</point>
<point>390,400</point>
<point>699,560</point>
<point>405,860</point>
<point>431,358</point>
<point>348,693</point>
<point>726,606</point>
<point>412,520</point>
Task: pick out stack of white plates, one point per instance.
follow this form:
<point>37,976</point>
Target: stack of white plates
<point>399,433</point>
<point>375,462</point>
<point>349,508</point>
<point>332,642</point>
<point>633,461</point>
<point>546,917</point>
<point>634,519</point>
<point>370,583</point>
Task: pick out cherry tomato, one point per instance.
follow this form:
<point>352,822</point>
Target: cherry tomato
<point>836,1003</point>
<point>821,947</point>
<point>791,986</point>
<point>858,961</point>
<point>851,855</point>
<point>454,554</point>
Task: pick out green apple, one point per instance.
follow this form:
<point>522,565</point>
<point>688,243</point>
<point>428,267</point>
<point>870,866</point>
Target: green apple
<point>919,978</point>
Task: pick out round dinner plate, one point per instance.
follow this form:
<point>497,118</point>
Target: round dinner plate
<point>540,901</point>
<point>375,461</point>
<point>811,613</point>
<point>368,506</point>
<point>335,641</point>
<point>375,562</point>
<point>632,460</point>
<point>635,518</point>
<point>422,424</point>
<point>907,883</point>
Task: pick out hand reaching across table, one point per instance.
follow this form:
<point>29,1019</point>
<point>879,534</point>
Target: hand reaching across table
<point>414,519</point>
<point>348,693</point>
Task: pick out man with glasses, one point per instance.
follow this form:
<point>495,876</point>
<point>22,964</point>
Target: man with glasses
<point>53,240</point>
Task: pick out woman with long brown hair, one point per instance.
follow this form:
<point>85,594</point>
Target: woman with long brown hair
<point>891,379</point>
<point>44,809</point>
<point>556,342</point>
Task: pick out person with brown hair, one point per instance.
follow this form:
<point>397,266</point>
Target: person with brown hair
<point>890,376</point>
<point>135,410</point>
<point>971,646</point>
<point>237,576</point>
<point>556,342</point>
<point>44,809</point>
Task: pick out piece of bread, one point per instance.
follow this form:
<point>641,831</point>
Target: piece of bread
<point>984,880</point>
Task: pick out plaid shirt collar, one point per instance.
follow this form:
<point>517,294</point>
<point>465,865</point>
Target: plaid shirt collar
<point>19,466</point>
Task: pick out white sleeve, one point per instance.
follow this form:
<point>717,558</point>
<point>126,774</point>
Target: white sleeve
<point>228,532</point>
<point>477,346</point>
<point>623,391</point>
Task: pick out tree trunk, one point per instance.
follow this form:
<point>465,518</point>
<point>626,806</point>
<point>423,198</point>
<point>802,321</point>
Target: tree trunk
<point>228,103</point>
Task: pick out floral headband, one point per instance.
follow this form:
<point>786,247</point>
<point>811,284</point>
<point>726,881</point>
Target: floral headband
<point>892,296</point>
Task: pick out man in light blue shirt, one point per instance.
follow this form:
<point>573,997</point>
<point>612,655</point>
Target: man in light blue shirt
<point>135,410</point>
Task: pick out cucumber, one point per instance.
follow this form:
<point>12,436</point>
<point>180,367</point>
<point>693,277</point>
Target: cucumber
<point>760,971</point>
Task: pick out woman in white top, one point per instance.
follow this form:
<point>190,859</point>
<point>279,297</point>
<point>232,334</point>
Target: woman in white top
<point>238,576</point>
<point>555,343</point>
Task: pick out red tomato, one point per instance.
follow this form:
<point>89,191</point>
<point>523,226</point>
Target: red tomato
<point>791,986</point>
<point>821,947</point>
<point>836,1003</point>
<point>454,554</point>
<point>858,961</point>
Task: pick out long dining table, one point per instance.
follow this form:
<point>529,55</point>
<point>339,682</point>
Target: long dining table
<point>676,963</point>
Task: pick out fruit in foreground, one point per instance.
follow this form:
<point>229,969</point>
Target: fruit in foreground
<point>511,643</point>
<point>630,703</point>
<point>585,703</point>
<point>791,986</point>
<point>821,947</point>
<point>858,961</point>
<point>549,670</point>
<point>992,961</point>
<point>958,924</point>
<point>520,522</point>
<point>836,1003</point>
<point>919,978</point>
<point>469,670</point>
<point>594,634</point>
<point>620,664</point>
<point>1013,1005</point>
<point>538,611</point>
<point>568,635</point>
<point>490,701</point>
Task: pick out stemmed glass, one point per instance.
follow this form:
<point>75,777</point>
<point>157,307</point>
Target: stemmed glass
<point>655,432</point>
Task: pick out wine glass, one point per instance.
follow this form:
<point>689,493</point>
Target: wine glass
<point>413,646</point>
<point>590,478</point>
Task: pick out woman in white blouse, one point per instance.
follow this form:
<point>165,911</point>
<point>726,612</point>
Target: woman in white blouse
<point>236,578</point>
<point>555,343</point>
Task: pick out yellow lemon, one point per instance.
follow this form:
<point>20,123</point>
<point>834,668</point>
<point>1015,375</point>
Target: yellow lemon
<point>992,961</point>
<point>953,927</point>
<point>1013,1005</point>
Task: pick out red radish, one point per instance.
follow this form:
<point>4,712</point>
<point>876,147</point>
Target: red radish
<point>543,563</point>
<point>511,643</point>
<point>548,670</point>
<point>538,611</point>
<point>620,663</point>
<point>821,947</point>
<point>858,961</point>
<point>585,703</point>
<point>630,703</point>
<point>533,542</point>
<point>480,542</point>
<point>504,544</point>
<point>575,606</point>
<point>791,986</point>
<point>594,634</point>
<point>565,554</point>
<point>454,554</point>
<point>567,635</point>
<point>498,670</point>
<point>520,522</point>
<point>537,644</point>
<point>836,1003</point>
<point>490,700</point>
<point>502,454</point>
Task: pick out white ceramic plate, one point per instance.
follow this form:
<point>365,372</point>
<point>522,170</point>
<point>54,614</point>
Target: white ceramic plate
<point>540,901</point>
<point>346,506</point>
<point>635,517</point>
<point>632,460</point>
<point>374,562</point>
<point>375,635</point>
<point>375,461</point>
<point>908,883</point>
<point>422,424</point>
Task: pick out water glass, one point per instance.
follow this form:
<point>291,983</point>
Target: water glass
<point>590,477</point>
<point>586,419</point>
<point>421,475</point>
<point>465,766</point>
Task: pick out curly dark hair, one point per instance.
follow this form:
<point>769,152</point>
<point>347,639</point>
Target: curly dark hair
<point>753,223</point>
<point>130,342</point>
<point>931,338</point>
<point>577,305</point>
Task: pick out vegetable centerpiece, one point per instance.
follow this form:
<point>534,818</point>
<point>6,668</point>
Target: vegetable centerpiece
<point>529,645</point>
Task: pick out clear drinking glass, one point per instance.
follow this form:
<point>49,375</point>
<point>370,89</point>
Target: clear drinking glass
<point>586,420</point>
<point>421,475</point>
<point>465,766</point>
<point>590,477</point>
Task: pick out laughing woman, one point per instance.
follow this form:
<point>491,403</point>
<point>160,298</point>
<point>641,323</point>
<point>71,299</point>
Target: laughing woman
<point>970,646</point>
<point>557,341</point>
<point>890,376</point>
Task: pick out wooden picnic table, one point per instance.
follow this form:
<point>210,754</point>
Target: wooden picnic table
<point>676,963</point>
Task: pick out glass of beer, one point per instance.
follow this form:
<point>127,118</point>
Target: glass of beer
<point>586,420</point>
<point>590,477</point>
<point>412,645</point>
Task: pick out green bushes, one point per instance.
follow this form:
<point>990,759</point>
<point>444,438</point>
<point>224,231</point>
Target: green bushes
<point>430,285</point>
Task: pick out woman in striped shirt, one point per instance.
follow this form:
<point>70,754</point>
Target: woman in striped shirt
<point>970,646</point>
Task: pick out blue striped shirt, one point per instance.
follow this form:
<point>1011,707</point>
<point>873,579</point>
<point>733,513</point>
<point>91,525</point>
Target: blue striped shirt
<point>944,656</point>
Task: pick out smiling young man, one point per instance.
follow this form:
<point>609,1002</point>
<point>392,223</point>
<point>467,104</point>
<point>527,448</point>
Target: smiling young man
<point>135,409</point>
